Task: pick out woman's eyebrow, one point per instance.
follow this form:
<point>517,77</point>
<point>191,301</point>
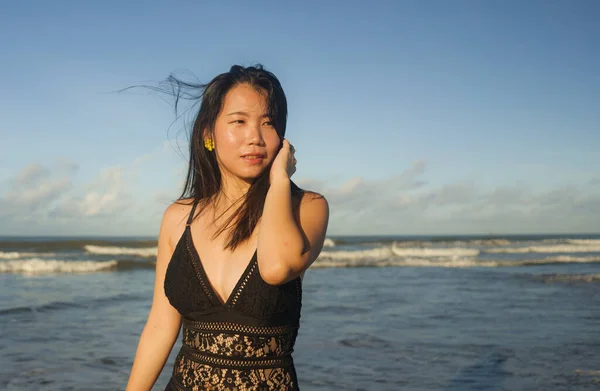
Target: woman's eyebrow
<point>245,114</point>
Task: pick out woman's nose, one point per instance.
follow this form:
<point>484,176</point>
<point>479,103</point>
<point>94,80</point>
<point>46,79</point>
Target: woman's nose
<point>255,135</point>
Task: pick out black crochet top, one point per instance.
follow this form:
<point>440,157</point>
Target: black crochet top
<point>244,343</point>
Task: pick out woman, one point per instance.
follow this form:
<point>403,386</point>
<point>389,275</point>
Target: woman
<point>232,251</point>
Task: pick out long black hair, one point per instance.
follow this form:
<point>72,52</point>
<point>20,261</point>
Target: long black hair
<point>203,181</point>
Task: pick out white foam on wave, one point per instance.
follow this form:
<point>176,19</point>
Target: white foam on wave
<point>448,262</point>
<point>41,266</point>
<point>472,262</point>
<point>17,255</point>
<point>403,262</point>
<point>490,242</point>
<point>397,262</point>
<point>480,242</point>
<point>328,243</point>
<point>110,250</point>
<point>585,242</point>
<point>11,255</point>
<point>378,253</point>
<point>434,252</point>
<point>565,248</point>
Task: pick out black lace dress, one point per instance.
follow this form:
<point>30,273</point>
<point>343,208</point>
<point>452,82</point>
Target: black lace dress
<point>243,344</point>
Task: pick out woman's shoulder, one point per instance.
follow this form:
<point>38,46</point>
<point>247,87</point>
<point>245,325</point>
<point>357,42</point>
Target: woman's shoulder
<point>311,195</point>
<point>308,196</point>
<point>175,217</point>
<point>179,209</point>
<point>311,204</point>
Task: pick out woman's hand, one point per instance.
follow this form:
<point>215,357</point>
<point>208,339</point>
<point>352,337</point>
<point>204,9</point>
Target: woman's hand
<point>284,165</point>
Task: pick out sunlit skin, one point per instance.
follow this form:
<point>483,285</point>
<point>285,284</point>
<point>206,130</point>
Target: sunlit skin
<point>287,238</point>
<point>242,127</point>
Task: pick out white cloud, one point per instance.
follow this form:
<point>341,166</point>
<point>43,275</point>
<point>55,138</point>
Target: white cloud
<point>406,204</point>
<point>48,198</point>
<point>106,196</point>
<point>30,174</point>
<point>44,199</point>
<point>33,188</point>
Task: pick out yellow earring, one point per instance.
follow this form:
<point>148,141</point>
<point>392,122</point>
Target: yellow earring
<point>209,144</point>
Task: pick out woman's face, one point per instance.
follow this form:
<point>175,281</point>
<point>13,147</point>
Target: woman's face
<point>246,141</point>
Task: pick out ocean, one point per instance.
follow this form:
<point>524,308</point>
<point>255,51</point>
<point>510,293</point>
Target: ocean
<point>462,313</point>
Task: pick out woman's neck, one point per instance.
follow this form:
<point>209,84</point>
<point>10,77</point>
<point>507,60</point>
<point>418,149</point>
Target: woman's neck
<point>232,192</point>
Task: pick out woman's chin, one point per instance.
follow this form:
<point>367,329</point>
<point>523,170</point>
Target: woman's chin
<point>249,176</point>
<point>248,173</point>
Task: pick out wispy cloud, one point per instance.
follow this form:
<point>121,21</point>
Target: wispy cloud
<point>48,196</point>
<point>41,197</point>
<point>407,204</point>
<point>34,187</point>
<point>45,200</point>
<point>107,196</point>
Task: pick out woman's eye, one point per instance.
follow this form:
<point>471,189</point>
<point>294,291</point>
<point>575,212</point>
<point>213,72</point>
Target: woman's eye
<point>268,123</point>
<point>238,121</point>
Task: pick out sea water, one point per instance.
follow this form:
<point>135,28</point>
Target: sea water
<point>379,313</point>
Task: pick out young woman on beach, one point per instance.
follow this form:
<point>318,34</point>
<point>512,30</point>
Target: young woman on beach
<point>232,251</point>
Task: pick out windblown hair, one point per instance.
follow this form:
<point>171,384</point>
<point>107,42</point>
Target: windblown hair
<point>203,181</point>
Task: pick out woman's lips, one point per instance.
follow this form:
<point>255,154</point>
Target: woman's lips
<point>253,159</point>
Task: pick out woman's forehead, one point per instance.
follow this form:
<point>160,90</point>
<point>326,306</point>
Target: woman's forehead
<point>244,98</point>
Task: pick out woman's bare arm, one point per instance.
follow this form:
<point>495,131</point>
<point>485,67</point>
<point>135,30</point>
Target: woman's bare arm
<point>290,239</point>
<point>163,324</point>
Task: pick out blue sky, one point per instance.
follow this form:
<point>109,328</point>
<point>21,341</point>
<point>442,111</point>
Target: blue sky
<point>411,117</point>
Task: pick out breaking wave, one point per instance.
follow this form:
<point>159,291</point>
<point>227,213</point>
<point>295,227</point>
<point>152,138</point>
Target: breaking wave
<point>434,252</point>
<point>111,250</point>
<point>17,255</point>
<point>328,243</point>
<point>385,256</point>
<point>565,248</point>
<point>44,266</point>
<point>379,260</point>
<point>585,242</point>
<point>378,253</point>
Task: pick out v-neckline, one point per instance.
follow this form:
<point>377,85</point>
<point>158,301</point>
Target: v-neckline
<point>204,277</point>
